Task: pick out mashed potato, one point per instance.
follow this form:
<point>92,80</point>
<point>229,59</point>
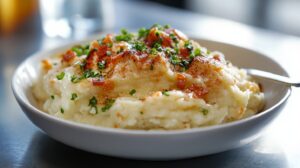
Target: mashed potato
<point>156,79</point>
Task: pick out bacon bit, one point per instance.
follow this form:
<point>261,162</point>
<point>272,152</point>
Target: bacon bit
<point>181,80</point>
<point>105,84</point>
<point>98,82</point>
<point>217,57</point>
<point>184,52</point>
<point>91,60</point>
<point>69,56</point>
<point>101,51</point>
<point>119,115</point>
<point>97,53</point>
<point>166,40</point>
<point>151,38</point>
<point>46,65</point>
<point>198,91</point>
<point>108,39</point>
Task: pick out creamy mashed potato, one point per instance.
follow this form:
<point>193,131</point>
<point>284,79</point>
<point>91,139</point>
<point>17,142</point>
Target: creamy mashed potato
<point>156,79</point>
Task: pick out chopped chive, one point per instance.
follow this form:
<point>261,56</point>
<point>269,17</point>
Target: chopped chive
<point>153,51</point>
<point>62,110</point>
<point>101,64</point>
<point>109,45</point>
<point>140,46</point>
<point>174,38</point>
<point>165,92</point>
<point>167,26</point>
<point>108,104</point>
<point>90,74</point>
<point>52,97</point>
<point>73,96</point>
<point>143,32</point>
<point>86,51</point>
<point>204,111</point>
<point>197,52</point>
<point>78,51</point>
<point>157,46</point>
<point>132,92</point>
<point>74,79</point>
<point>93,103</point>
<point>124,36</point>
<point>60,76</point>
<point>157,34</point>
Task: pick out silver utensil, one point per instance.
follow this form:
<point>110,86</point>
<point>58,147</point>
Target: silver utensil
<point>273,77</point>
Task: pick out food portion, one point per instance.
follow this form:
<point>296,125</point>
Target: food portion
<point>154,79</point>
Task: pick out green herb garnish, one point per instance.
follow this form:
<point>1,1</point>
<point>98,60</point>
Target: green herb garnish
<point>153,51</point>
<point>108,104</point>
<point>90,74</point>
<point>93,103</point>
<point>75,79</point>
<point>124,36</point>
<point>175,60</point>
<point>188,45</point>
<point>73,96</point>
<point>197,52</point>
<point>174,38</point>
<point>167,26</point>
<point>165,92</point>
<point>60,76</point>
<point>52,97</point>
<point>101,65</point>
<point>204,111</point>
<point>139,46</point>
<point>62,110</point>
<point>132,92</point>
<point>109,45</point>
<point>143,33</point>
<point>78,50</point>
<point>157,46</point>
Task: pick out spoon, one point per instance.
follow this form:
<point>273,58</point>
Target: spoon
<point>273,77</point>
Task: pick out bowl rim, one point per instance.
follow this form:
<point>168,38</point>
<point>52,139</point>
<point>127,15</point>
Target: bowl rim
<point>89,127</point>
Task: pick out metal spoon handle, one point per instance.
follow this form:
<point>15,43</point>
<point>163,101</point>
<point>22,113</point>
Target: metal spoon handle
<point>273,77</point>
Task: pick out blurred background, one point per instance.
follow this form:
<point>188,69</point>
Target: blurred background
<point>77,18</point>
<point>278,15</point>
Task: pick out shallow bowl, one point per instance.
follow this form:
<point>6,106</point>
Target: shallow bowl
<point>157,145</point>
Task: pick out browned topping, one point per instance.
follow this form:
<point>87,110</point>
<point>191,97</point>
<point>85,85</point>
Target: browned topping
<point>69,56</point>
<point>46,65</point>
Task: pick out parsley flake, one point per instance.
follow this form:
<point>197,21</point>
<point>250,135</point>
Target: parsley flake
<point>93,103</point>
<point>108,104</point>
<point>60,76</point>
<point>132,92</point>
<point>204,111</point>
<point>165,92</point>
<point>101,64</point>
<point>73,96</point>
<point>62,110</point>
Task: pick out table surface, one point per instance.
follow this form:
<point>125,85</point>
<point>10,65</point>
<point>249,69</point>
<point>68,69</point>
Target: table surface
<point>22,144</point>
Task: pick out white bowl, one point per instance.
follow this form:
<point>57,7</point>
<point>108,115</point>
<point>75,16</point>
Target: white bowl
<point>157,145</point>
